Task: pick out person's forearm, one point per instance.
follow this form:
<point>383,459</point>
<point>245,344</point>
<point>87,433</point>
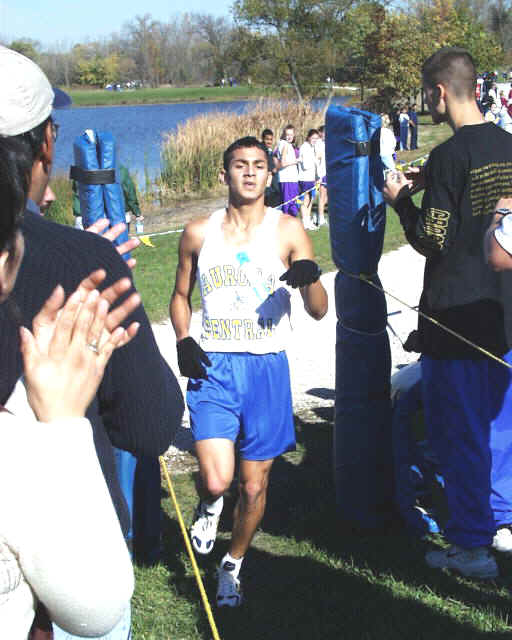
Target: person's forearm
<point>181,314</point>
<point>315,299</point>
<point>495,255</point>
<point>412,224</point>
<point>79,567</point>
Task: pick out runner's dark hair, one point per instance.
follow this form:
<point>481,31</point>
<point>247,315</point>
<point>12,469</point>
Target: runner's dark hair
<point>243,143</point>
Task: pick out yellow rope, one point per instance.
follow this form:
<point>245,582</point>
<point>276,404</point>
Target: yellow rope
<point>366,278</point>
<point>197,575</point>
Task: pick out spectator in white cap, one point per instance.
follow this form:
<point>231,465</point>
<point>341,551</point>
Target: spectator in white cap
<point>73,559</point>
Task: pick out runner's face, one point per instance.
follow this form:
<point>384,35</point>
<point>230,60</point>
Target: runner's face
<point>248,174</point>
<point>289,134</point>
<point>313,139</point>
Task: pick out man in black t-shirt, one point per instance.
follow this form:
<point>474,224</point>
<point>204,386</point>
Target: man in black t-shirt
<point>467,395</point>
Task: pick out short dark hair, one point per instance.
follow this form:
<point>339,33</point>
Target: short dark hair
<point>267,132</point>
<point>243,143</point>
<point>453,67</point>
<point>321,128</point>
<point>15,173</point>
<point>17,156</point>
<point>312,132</point>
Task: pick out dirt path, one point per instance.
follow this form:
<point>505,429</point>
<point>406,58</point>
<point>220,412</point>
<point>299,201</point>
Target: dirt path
<point>175,216</point>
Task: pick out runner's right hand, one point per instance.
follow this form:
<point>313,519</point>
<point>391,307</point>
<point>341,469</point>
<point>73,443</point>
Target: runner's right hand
<point>191,358</point>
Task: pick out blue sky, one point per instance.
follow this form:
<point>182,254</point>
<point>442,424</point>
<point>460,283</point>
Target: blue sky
<point>70,21</point>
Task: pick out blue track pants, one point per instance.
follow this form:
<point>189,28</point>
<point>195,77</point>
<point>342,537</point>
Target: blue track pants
<point>468,413</point>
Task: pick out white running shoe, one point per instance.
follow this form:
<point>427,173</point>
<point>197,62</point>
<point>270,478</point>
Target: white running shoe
<point>502,541</point>
<point>204,530</point>
<point>229,591</point>
<point>472,563</point>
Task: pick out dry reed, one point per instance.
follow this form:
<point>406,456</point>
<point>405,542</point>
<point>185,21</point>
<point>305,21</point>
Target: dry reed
<point>192,156</point>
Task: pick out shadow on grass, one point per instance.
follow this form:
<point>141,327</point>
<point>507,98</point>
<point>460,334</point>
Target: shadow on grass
<point>308,576</point>
<point>295,598</point>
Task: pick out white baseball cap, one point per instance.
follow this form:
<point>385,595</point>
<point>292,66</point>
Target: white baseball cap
<point>26,96</point>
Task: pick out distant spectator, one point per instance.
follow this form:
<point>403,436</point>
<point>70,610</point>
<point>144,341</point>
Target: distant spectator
<point>287,170</point>
<point>322,173</point>
<point>492,115</point>
<point>404,128</point>
<point>395,121</point>
<point>308,174</point>
<point>413,126</point>
<point>273,192</point>
<point>387,143</point>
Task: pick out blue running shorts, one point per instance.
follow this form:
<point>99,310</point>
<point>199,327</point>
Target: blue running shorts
<point>246,397</point>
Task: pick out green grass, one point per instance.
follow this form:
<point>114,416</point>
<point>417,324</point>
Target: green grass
<point>102,97</point>
<point>306,577</point>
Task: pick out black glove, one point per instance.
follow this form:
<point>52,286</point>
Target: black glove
<point>190,359</point>
<point>301,273</point>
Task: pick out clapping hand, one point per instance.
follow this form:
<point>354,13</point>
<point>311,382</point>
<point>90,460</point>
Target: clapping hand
<point>114,232</point>
<point>71,343</point>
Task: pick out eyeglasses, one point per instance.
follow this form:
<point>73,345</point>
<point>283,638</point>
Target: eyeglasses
<point>55,130</point>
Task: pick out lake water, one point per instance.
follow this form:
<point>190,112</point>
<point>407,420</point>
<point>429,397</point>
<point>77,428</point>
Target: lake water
<point>138,130</point>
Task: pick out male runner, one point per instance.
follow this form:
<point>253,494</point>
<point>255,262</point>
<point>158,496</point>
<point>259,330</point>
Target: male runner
<point>239,388</point>
<point>467,395</point>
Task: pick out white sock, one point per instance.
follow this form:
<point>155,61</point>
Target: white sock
<point>236,562</point>
<point>215,507</point>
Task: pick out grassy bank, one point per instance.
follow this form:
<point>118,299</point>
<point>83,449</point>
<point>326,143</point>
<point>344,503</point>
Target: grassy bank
<point>161,95</point>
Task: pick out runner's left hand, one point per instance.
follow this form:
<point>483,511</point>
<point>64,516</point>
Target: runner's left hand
<point>301,273</point>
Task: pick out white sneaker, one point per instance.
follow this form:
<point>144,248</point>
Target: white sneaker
<point>204,530</point>
<point>472,563</point>
<point>502,541</point>
<point>229,592</point>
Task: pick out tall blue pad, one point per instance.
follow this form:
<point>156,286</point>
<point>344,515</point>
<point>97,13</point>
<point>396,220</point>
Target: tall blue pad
<point>96,150</point>
<point>362,431</point>
<point>112,193</point>
<point>354,183</point>
<point>91,195</point>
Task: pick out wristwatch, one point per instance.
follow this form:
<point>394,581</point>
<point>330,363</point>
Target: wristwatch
<point>503,211</point>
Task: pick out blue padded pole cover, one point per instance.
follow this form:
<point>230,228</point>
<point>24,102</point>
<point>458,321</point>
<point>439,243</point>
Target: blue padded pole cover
<point>91,195</point>
<point>112,193</point>
<point>362,431</point>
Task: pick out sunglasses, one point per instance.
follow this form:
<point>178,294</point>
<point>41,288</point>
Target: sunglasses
<point>55,130</point>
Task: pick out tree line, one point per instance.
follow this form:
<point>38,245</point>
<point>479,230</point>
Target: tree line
<point>306,46</point>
